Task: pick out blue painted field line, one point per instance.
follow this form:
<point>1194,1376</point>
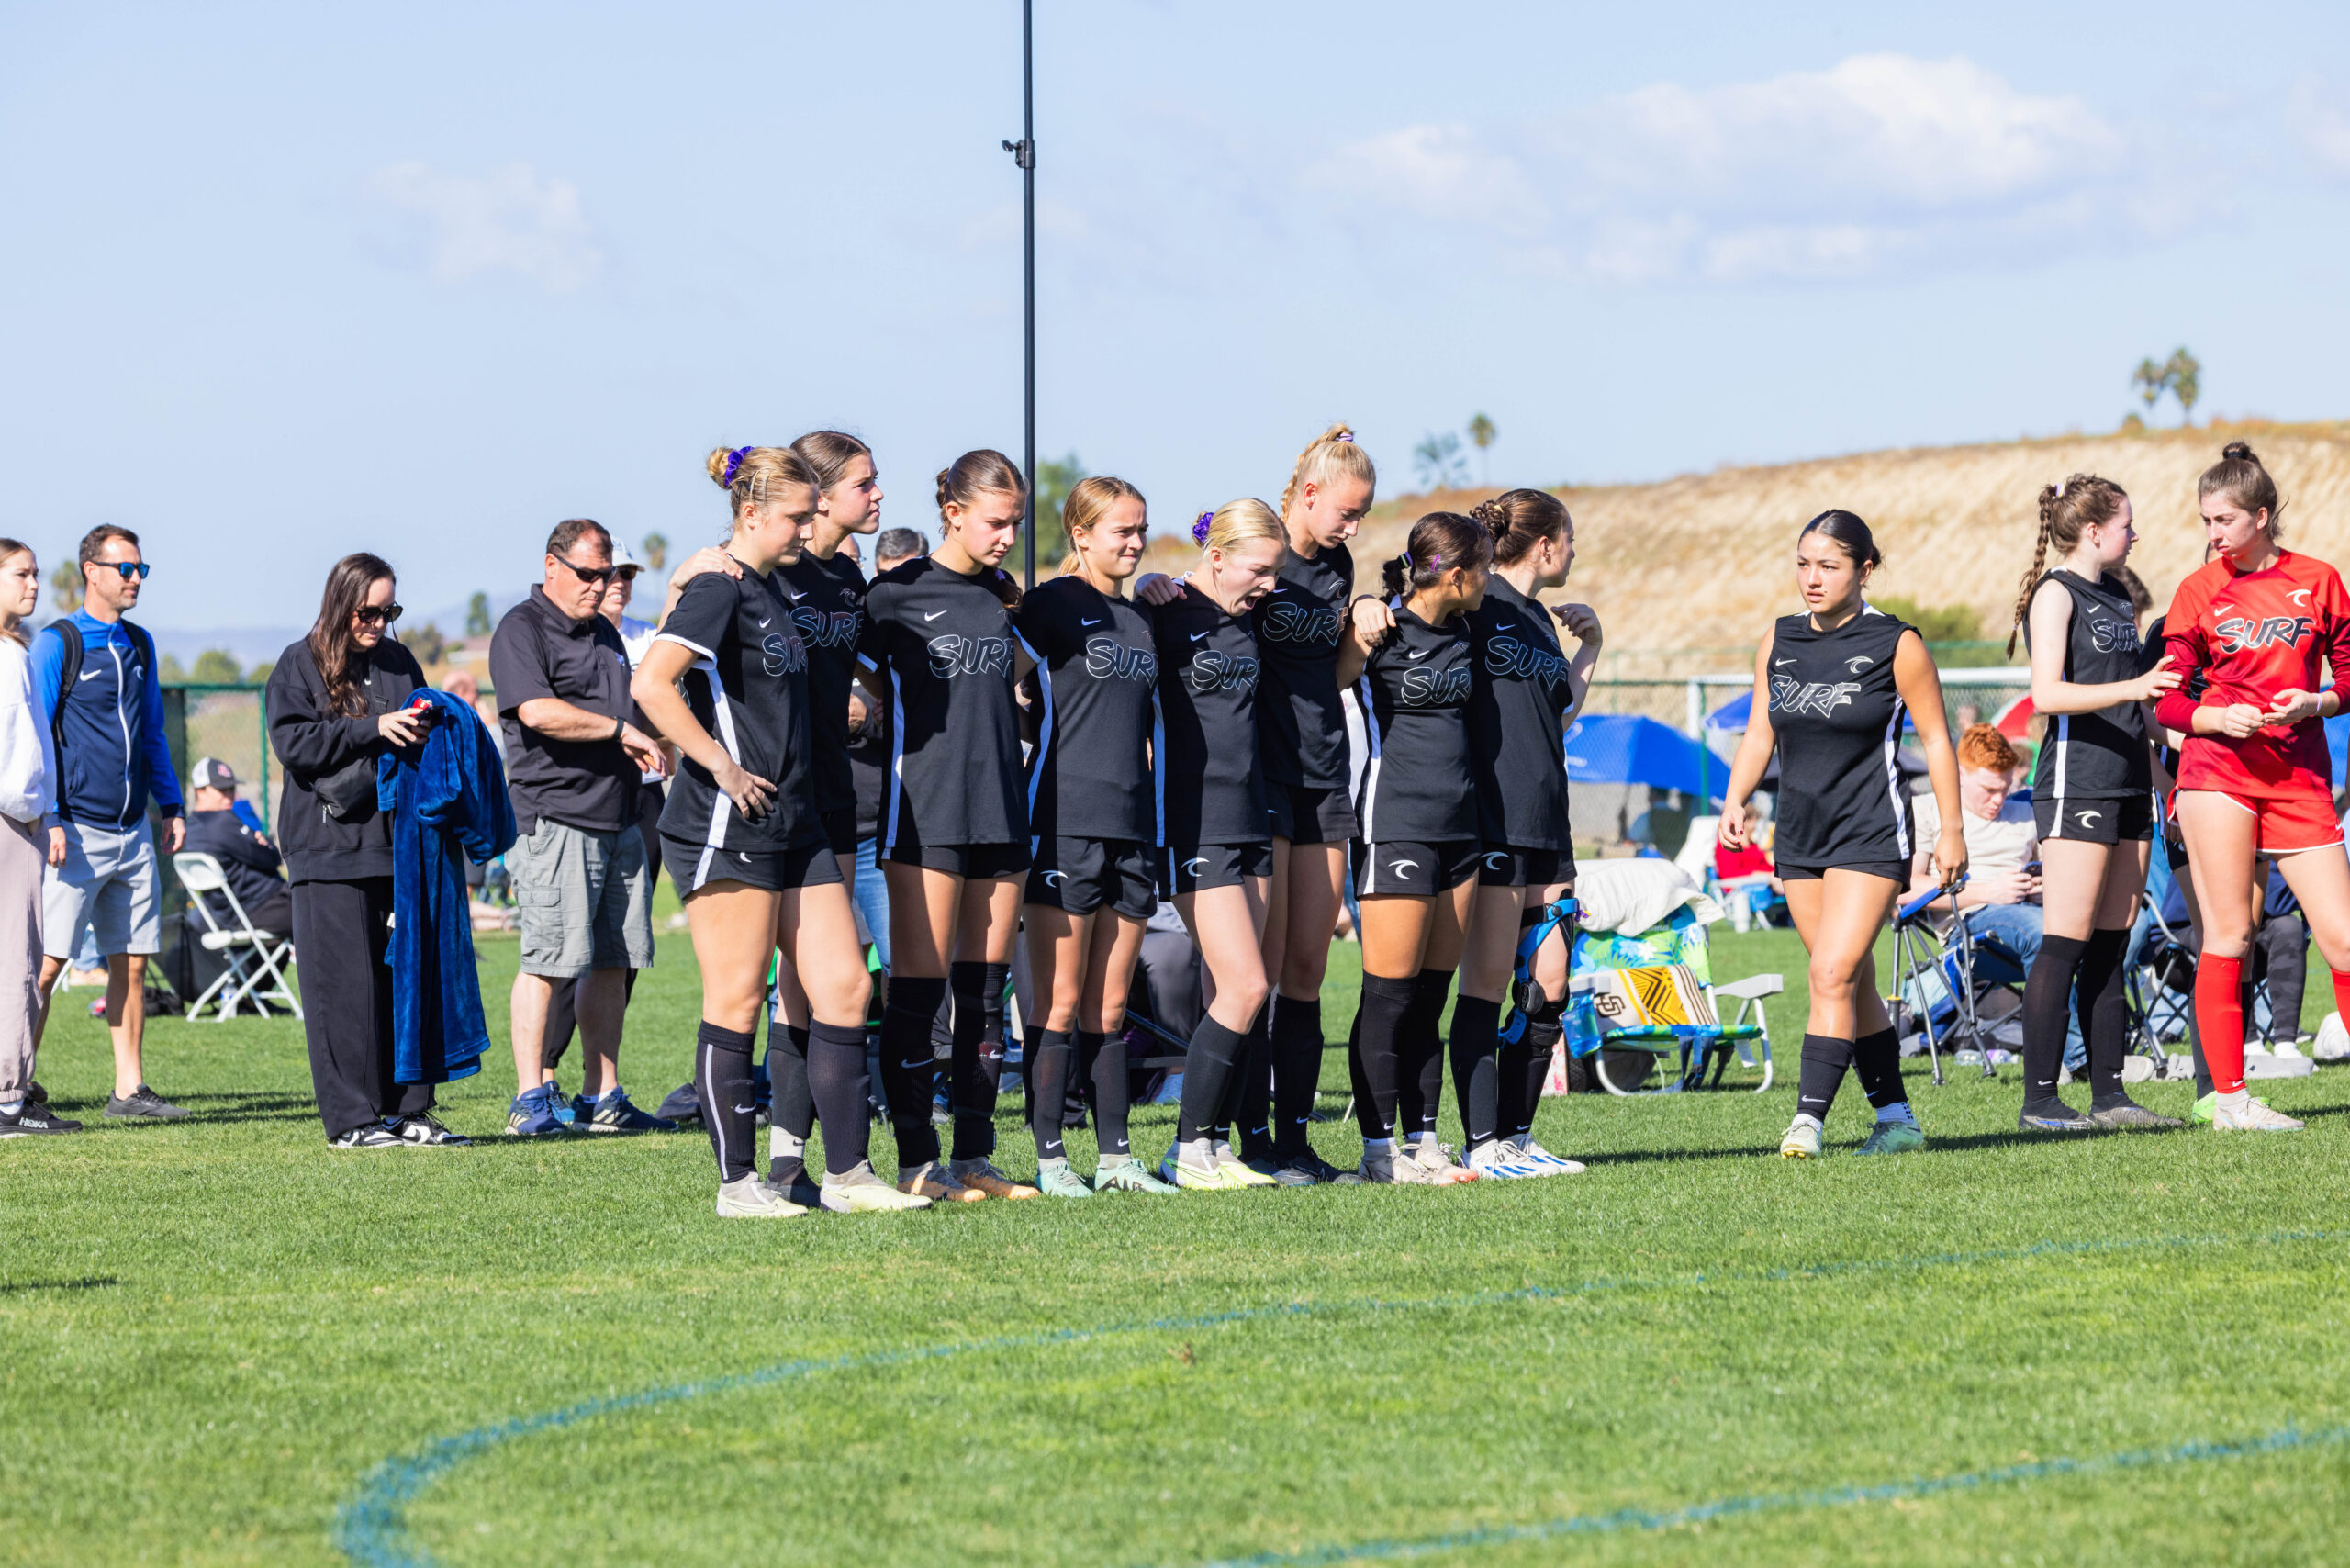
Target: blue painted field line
<point>371,1528</point>
<point>1635,1519</point>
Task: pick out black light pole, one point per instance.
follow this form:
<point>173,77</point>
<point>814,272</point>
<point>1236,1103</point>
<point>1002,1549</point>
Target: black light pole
<point>1023,152</point>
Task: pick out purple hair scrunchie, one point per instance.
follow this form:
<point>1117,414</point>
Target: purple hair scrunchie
<point>1199,528</point>
<point>734,462</point>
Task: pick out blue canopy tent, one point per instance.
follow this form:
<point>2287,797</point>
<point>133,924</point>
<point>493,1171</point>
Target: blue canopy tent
<point>1626,748</point>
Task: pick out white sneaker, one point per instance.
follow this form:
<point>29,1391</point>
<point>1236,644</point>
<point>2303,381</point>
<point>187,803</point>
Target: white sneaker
<point>1558,1165</point>
<point>862,1190</point>
<point>1437,1160</point>
<point>2286,1049</point>
<point>752,1198</point>
<point>2250,1115</point>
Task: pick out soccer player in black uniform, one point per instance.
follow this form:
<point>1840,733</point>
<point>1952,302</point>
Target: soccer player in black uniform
<point>939,651</point>
<point>1214,836</point>
<point>1091,827</point>
<point>1302,734</point>
<point>1831,690</point>
<point>1417,852</point>
<point>743,843</point>
<point>1522,689</point>
<point>2092,793</point>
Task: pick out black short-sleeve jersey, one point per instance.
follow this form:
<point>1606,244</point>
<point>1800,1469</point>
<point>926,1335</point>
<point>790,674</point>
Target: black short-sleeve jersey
<point>1836,713</point>
<point>1209,789</point>
<point>1417,785</point>
<point>827,605</point>
<point>944,644</point>
<point>1519,695</point>
<point>2099,756</point>
<point>1089,775</point>
<point>1298,626</point>
<point>749,687</point>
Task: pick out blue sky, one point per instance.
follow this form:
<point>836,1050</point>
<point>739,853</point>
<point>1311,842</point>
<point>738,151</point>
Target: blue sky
<point>285,282</point>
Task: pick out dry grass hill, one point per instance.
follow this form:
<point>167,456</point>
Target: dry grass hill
<point>1706,560</point>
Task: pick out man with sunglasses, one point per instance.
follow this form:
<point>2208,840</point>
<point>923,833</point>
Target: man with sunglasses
<point>96,672</point>
<point>572,759</point>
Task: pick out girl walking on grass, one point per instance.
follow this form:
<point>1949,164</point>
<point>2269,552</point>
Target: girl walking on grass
<point>1832,686</point>
<point>2092,795</point>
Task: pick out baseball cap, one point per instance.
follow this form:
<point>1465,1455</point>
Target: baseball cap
<point>211,773</point>
<point>623,558</point>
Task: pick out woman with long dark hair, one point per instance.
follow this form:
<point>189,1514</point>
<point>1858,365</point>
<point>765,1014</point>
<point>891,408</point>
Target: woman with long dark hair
<point>338,699</point>
<point>1832,686</point>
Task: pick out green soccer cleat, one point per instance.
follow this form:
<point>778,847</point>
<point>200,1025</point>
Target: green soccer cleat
<point>1056,1180</point>
<point>1125,1173</point>
<point>2201,1113</point>
<point>1893,1137</point>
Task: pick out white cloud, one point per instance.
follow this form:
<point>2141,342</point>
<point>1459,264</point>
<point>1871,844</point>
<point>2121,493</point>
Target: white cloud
<point>2323,125</point>
<point>1881,164</point>
<point>508,221</point>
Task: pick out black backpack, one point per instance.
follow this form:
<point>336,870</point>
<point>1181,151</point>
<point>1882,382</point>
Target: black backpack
<point>70,671</point>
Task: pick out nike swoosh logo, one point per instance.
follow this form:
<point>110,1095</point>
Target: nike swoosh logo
<point>1419,653</point>
<point>1093,622</point>
<point>934,615</point>
<point>1197,635</point>
<point>746,1110</point>
<point>763,625</point>
<point>92,676</point>
<point>920,1064</point>
<point>1783,662</point>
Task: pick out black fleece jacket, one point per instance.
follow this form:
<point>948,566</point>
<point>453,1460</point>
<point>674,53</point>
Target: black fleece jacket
<point>312,741</point>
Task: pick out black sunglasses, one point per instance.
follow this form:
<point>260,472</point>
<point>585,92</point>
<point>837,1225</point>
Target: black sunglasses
<point>590,574</point>
<point>378,614</point>
<point>129,569</point>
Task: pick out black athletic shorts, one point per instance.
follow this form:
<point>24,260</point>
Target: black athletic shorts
<point>1891,870</point>
<point>694,867</point>
<point>1501,866</point>
<point>974,862</point>
<point>2130,819</point>
<point>1304,815</point>
<point>1413,870</point>
<point>840,830</point>
<point>1195,868</point>
<point>1079,875</point>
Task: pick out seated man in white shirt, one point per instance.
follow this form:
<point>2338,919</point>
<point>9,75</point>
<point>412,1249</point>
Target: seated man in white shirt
<point>2002,899</point>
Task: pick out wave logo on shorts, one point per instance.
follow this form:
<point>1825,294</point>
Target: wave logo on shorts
<point>1107,658</point>
<point>1193,865</point>
<point>1211,671</point>
<point>954,654</point>
<point>1821,699</point>
<point>1281,623</point>
<point>1054,878</point>
<point>782,652</point>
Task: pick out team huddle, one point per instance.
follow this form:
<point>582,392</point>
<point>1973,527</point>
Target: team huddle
<point>1062,760</point>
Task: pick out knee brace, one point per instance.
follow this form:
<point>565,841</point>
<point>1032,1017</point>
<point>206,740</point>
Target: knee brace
<point>1529,1003</point>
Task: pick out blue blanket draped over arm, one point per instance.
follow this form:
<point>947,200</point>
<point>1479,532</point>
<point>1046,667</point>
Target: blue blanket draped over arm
<point>446,796</point>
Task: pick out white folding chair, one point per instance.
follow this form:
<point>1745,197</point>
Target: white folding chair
<point>251,954</point>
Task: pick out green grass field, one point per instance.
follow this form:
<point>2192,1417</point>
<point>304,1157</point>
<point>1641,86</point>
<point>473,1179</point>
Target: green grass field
<point>223,1343</point>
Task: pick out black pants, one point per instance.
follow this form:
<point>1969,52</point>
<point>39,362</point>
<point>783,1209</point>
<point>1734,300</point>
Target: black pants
<point>340,931</point>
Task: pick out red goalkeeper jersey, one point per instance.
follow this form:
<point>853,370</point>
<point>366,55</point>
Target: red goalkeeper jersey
<point>2251,635</point>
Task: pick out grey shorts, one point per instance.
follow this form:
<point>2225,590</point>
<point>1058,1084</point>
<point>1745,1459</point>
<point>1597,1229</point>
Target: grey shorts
<point>108,883</point>
<point>585,900</point>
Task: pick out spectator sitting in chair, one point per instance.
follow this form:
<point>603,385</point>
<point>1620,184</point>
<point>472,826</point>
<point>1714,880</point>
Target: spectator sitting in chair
<point>2001,898</point>
<point>255,870</point>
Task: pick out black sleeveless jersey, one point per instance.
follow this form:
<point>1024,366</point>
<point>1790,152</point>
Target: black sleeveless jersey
<point>827,605</point>
<point>1519,699</point>
<point>1210,788</point>
<point>945,643</point>
<point>1089,775</point>
<point>2099,756</point>
<point>1417,786</point>
<point>1837,715</point>
<point>749,687</point>
<point>1298,626</point>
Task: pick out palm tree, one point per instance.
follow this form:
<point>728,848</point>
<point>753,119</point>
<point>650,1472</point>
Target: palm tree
<point>1481,435</point>
<point>2184,376</point>
<point>2150,381</point>
<point>1440,461</point>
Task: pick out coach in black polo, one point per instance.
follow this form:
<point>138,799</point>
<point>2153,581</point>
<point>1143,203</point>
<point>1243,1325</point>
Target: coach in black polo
<point>572,764</point>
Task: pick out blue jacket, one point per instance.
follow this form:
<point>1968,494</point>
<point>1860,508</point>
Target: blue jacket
<point>111,753</point>
<point>446,796</point>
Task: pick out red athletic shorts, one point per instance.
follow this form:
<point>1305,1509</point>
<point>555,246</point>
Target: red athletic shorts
<point>2288,822</point>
